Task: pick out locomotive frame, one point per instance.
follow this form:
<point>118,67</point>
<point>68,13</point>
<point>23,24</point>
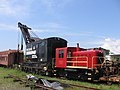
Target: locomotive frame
<point>79,63</point>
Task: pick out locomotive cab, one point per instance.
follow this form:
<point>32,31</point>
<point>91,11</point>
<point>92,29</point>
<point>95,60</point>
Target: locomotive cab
<point>63,55</point>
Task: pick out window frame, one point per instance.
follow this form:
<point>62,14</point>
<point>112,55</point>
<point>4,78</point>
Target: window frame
<point>61,54</point>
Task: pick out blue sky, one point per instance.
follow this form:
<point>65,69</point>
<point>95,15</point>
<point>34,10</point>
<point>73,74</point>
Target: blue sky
<point>92,23</point>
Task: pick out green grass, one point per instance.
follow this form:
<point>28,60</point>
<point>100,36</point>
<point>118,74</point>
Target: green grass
<point>8,84</point>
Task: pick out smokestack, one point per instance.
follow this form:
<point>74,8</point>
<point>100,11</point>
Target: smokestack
<point>78,47</point>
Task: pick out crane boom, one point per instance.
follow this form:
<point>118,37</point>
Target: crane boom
<point>24,29</point>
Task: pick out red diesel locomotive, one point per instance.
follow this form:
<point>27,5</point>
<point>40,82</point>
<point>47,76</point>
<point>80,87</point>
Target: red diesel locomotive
<point>79,63</point>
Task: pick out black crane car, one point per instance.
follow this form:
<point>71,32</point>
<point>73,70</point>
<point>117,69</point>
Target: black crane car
<point>40,53</point>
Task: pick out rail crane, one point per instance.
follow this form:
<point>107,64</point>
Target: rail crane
<point>40,53</point>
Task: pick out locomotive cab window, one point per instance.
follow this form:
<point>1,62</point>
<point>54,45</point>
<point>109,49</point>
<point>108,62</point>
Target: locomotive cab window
<point>61,53</point>
<point>69,54</point>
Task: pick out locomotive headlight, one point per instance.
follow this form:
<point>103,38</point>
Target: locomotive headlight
<point>45,68</point>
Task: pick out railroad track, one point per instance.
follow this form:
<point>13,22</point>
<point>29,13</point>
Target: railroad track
<point>83,87</point>
<point>39,86</point>
<point>29,83</point>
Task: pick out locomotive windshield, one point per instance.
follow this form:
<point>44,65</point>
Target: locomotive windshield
<point>100,58</point>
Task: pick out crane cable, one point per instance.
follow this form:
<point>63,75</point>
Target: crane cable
<point>21,42</point>
<point>18,39</point>
<point>34,34</point>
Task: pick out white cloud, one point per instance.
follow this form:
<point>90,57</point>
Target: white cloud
<point>14,7</point>
<point>53,25</point>
<point>52,5</point>
<point>49,27</point>
<point>112,44</point>
<point>43,30</point>
<point>76,34</point>
<point>19,7</point>
<point>8,27</point>
<point>55,3</point>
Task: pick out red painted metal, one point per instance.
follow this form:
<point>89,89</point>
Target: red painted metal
<point>9,57</point>
<point>61,62</point>
<point>75,57</point>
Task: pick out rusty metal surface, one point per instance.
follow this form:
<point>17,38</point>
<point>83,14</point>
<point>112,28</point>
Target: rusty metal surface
<point>8,57</point>
<point>111,78</point>
<point>9,51</point>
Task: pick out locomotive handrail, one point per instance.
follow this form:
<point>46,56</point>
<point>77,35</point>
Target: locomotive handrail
<point>99,59</point>
<point>53,62</point>
<point>76,60</point>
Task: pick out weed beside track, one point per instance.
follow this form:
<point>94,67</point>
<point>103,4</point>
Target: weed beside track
<point>8,84</point>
